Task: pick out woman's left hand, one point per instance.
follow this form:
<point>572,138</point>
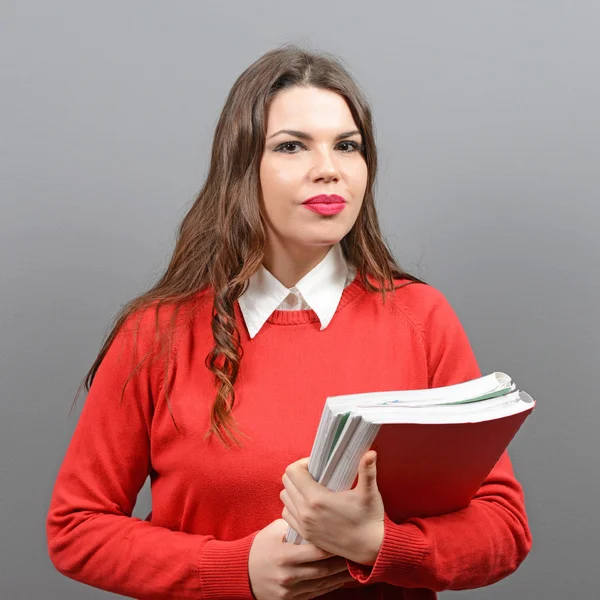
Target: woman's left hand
<point>348,523</point>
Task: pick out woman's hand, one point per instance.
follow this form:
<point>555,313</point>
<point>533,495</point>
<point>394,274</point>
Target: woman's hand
<point>280,570</point>
<point>348,523</point>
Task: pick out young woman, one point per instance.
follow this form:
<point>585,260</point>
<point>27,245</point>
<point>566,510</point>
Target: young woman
<point>280,292</point>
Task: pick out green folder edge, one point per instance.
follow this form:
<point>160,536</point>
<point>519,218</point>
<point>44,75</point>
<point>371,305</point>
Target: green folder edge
<point>345,416</point>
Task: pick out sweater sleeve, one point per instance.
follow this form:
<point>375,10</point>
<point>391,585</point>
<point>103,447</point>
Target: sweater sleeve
<point>472,547</point>
<point>91,534</point>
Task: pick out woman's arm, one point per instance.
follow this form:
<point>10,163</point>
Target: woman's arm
<point>466,549</point>
<point>91,534</point>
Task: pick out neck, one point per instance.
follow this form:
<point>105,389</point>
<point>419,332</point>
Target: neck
<point>290,264</point>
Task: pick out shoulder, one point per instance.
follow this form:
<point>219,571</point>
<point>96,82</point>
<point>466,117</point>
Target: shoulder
<point>158,322</point>
<point>426,307</point>
<point>449,354</point>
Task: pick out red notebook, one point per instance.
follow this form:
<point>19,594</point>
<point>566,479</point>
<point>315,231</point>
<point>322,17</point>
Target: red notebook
<point>440,467</point>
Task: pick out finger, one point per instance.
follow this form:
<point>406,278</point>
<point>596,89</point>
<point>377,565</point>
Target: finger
<point>368,471</point>
<point>303,462</point>
<point>293,492</point>
<point>322,568</point>
<point>281,527</point>
<point>291,521</point>
<point>288,502</point>
<point>298,474</point>
<point>304,553</point>
<point>320,586</point>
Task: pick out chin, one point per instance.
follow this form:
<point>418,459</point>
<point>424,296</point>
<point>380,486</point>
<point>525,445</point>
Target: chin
<point>322,240</point>
<point>327,232</point>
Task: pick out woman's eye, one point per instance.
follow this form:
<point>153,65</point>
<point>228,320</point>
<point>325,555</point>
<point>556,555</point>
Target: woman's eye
<point>287,145</point>
<point>354,146</point>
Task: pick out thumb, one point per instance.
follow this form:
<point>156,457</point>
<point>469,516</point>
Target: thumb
<point>278,527</point>
<point>281,528</point>
<point>367,471</point>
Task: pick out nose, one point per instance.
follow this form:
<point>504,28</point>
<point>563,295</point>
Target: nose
<point>325,166</point>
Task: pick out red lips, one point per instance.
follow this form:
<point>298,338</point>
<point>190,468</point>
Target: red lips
<point>326,204</point>
<point>325,199</point>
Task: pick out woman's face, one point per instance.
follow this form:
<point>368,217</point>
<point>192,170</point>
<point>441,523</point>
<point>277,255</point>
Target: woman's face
<point>294,168</point>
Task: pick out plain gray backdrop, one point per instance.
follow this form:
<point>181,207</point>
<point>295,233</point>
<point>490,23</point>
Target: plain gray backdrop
<point>487,122</point>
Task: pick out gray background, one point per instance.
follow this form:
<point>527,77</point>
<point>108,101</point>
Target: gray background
<point>487,118</point>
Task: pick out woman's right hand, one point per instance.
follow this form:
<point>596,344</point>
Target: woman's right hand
<point>278,569</point>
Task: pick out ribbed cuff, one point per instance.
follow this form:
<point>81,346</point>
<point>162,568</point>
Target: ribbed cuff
<point>403,549</point>
<point>223,569</point>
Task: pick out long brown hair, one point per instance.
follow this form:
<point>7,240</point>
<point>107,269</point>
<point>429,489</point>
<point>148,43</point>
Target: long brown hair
<point>221,239</point>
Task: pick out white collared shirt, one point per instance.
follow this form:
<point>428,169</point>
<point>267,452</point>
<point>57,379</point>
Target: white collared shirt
<point>320,290</point>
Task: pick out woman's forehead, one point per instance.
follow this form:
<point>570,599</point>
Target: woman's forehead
<point>310,110</point>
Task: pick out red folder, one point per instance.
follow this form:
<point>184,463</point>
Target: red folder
<point>432,469</point>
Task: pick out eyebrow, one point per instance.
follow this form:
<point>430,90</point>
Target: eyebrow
<point>307,136</point>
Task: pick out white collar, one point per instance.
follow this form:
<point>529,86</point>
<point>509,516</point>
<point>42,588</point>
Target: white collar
<point>321,288</point>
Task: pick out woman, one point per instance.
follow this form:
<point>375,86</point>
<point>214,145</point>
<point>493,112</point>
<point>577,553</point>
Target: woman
<point>280,292</point>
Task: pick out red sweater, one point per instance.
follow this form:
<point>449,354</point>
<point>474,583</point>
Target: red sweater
<point>208,503</point>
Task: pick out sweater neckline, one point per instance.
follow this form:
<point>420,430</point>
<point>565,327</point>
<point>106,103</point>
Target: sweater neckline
<point>297,317</point>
